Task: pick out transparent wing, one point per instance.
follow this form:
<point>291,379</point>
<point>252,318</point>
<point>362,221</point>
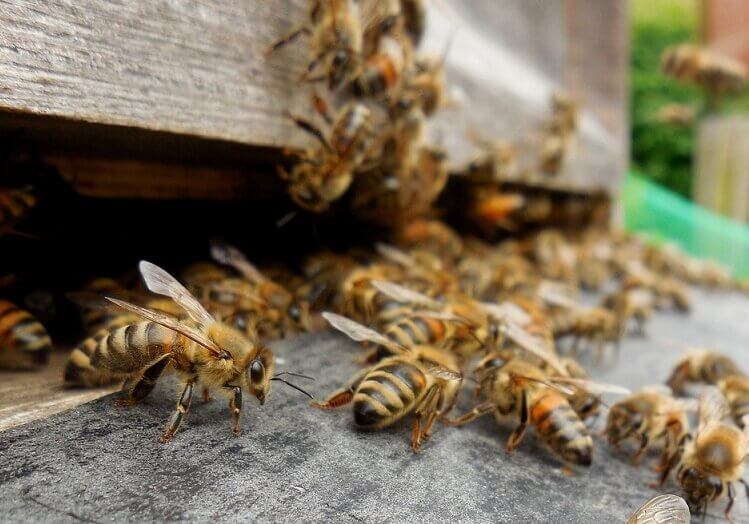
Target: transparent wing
<point>549,384</point>
<point>591,386</point>
<point>508,311</point>
<point>660,389</point>
<point>405,295</point>
<point>394,254</point>
<point>663,509</point>
<point>533,346</point>
<point>170,323</point>
<point>712,408</point>
<point>556,294</point>
<point>162,283</point>
<point>229,255</point>
<point>444,373</point>
<point>360,333</point>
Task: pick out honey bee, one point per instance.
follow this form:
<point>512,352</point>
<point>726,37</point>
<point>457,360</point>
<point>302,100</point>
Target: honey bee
<point>414,19</point>
<point>24,342</point>
<point>596,325</point>
<point>425,87</point>
<point>662,509</point>
<point>433,236</point>
<point>421,380</point>
<point>492,208</point>
<point>735,389</point>
<point>382,71</point>
<point>627,304</point>
<point>383,19</point>
<point>498,163</point>
<point>678,115</point>
<point>520,388</point>
<point>200,273</point>
<point>15,205</point>
<point>559,133</point>
<point>668,291</point>
<point>703,68</point>
<point>324,174</point>
<point>707,367</point>
<point>201,350</point>
<point>714,459</point>
<point>336,40</point>
<point>651,416</point>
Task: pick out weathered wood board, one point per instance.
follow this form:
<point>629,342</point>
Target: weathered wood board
<point>198,69</point>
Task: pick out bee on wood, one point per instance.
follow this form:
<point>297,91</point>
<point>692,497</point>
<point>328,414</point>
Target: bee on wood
<point>662,509</point>
<point>517,387</point>
<point>735,389</point>
<point>336,40</point>
<point>706,367</point>
<point>418,380</point>
<point>24,341</point>
<point>323,174</point>
<point>714,459</point>
<point>651,416</point>
<point>559,134</point>
<point>201,350</point>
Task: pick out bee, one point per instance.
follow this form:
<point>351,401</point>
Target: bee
<point>201,350</point>
<point>556,144</point>
<point>433,236</point>
<point>704,68</point>
<point>556,258</point>
<point>324,174</point>
<point>520,388</point>
<point>594,324</point>
<point>714,459</point>
<point>24,342</point>
<point>662,509</point>
<point>498,163</point>
<point>200,273</point>
<point>425,86</point>
<point>668,291</point>
<point>637,304</point>
<point>336,40</point>
<point>419,380</point>
<point>383,19</point>
<point>707,367</point>
<point>651,416</point>
<point>364,302</point>
<point>382,72</point>
<point>735,389</point>
<point>15,205</point>
<point>491,208</point>
<point>677,115</point>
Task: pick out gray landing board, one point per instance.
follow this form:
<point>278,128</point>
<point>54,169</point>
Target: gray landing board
<point>100,463</point>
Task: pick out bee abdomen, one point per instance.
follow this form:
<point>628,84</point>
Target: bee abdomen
<point>561,427</point>
<point>24,342</point>
<point>115,354</point>
<point>386,394</point>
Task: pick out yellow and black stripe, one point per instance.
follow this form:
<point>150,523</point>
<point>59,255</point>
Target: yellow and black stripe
<point>559,425</point>
<point>387,393</point>
<point>24,342</point>
<point>120,353</point>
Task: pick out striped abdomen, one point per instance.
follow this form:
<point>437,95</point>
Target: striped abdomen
<point>559,425</point>
<point>415,330</point>
<point>736,390</point>
<point>15,204</point>
<point>24,342</point>
<point>380,73</point>
<point>97,320</point>
<point>387,393</point>
<point>716,367</point>
<point>113,355</point>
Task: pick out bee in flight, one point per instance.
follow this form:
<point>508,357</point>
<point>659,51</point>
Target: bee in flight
<point>421,380</point>
<point>203,352</point>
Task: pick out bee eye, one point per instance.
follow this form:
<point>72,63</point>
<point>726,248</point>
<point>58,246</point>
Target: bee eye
<point>339,58</point>
<point>257,372</point>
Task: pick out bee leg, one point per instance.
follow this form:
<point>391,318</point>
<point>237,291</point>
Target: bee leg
<point>416,435</point>
<point>236,410</point>
<point>342,396</point>
<point>731,498</point>
<point>287,39</point>
<point>206,395</point>
<point>183,405</point>
<point>517,434</point>
<point>746,487</point>
<point>643,447</point>
<point>145,384</point>
<point>481,409</point>
<point>426,406</point>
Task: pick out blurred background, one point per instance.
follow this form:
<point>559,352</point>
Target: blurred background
<point>688,146</point>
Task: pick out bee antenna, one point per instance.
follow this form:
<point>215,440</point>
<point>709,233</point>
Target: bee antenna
<point>293,386</point>
<point>292,374</point>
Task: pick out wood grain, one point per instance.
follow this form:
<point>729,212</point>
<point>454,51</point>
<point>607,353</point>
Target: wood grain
<point>27,396</point>
<point>198,69</point>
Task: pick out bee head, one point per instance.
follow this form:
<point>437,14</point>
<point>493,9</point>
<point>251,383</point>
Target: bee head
<point>259,373</point>
<point>699,486</point>
<point>621,423</point>
<point>342,62</point>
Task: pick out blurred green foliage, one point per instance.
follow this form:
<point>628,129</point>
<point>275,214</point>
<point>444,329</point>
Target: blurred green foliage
<point>662,151</point>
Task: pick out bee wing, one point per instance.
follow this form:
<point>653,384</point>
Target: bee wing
<point>229,255</point>
<point>548,383</point>
<point>88,300</point>
<point>170,323</point>
<point>393,254</point>
<point>533,346</point>
<point>508,311</point>
<point>556,294</point>
<point>162,283</point>
<point>405,295</point>
<point>360,333</point>
<point>444,373</point>
<point>591,386</point>
<point>660,389</point>
<point>712,408</point>
<point>663,509</point>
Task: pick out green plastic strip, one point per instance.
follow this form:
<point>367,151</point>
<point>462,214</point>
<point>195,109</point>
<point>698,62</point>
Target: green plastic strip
<point>665,216</point>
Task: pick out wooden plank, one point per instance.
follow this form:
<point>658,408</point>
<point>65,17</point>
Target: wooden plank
<point>198,69</point>
<point>27,396</point>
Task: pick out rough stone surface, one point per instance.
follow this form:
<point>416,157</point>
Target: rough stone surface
<point>99,463</point>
